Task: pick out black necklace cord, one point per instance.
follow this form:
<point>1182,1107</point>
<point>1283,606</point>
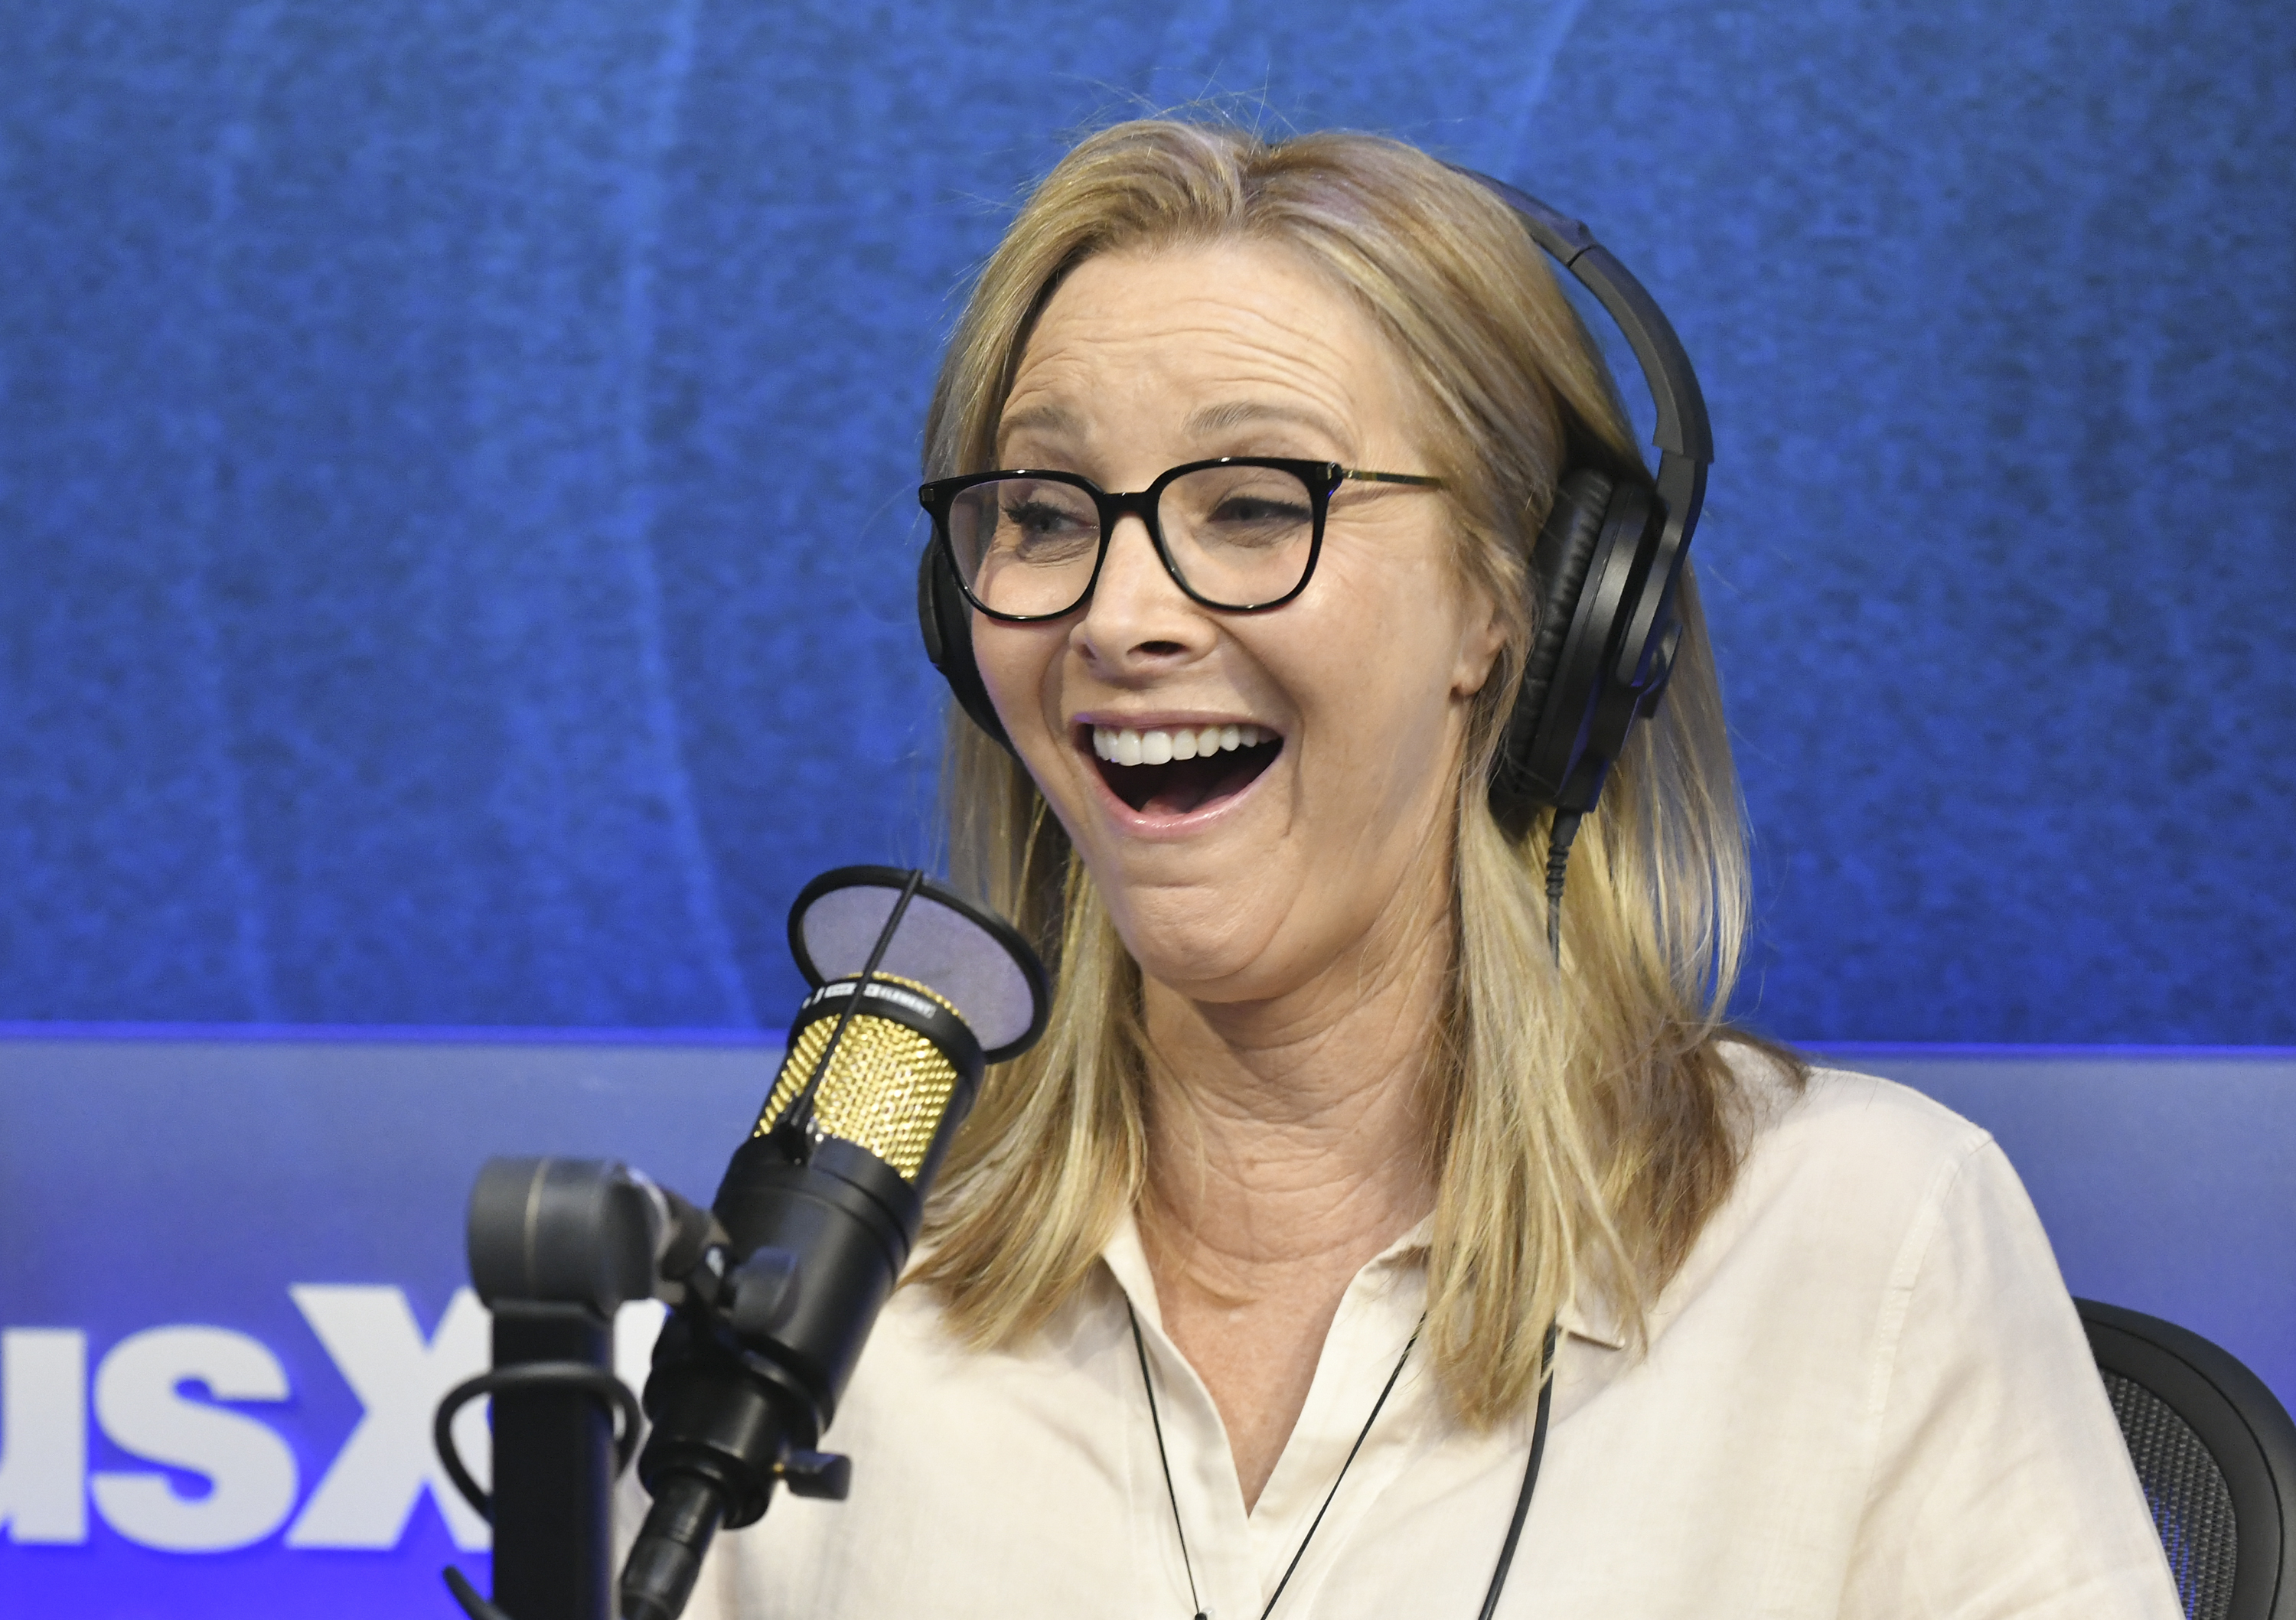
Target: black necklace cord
<point>1529,1475</point>
<point>1301,1550</point>
<point>1140,1347</point>
<point>1149,1383</point>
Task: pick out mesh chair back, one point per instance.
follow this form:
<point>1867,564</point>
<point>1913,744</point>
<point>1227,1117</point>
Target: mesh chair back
<point>2216,1453</point>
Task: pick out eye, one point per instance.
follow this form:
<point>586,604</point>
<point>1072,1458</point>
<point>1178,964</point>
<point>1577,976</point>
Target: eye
<point>1259,512</point>
<point>1037,526</point>
<point>1038,517</point>
<point>1254,519</point>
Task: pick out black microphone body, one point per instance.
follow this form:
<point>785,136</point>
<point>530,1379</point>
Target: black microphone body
<point>820,1209</point>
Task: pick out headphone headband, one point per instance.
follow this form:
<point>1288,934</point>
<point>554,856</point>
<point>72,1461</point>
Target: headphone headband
<point>1684,428</point>
<point>1684,434</point>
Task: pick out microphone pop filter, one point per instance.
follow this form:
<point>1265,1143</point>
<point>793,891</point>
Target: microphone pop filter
<point>973,959</point>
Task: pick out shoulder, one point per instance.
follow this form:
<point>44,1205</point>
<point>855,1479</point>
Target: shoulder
<point>1001,1443</point>
<point>920,1374</point>
<point>1855,1140</point>
<point>1846,1183</point>
<point>1844,1111</point>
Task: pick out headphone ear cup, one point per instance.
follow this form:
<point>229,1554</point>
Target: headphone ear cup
<point>928,616</point>
<point>1524,781</point>
<point>945,620</point>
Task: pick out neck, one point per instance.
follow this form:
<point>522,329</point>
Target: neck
<point>1288,1144</point>
<point>1294,1132</point>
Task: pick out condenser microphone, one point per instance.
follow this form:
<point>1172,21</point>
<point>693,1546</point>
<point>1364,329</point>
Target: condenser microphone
<point>915,993</point>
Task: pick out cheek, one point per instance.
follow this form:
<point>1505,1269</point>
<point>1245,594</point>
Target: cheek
<point>1013,661</point>
<point>1391,759</point>
<point>1380,691</point>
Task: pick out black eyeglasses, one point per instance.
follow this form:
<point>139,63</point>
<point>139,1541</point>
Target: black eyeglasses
<point>1240,534</point>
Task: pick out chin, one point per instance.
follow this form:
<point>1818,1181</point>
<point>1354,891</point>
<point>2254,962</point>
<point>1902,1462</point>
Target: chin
<point>1211,941</point>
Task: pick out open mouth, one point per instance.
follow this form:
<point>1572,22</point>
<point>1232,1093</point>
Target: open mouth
<point>1179,770</point>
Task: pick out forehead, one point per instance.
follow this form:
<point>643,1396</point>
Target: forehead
<point>1217,336</point>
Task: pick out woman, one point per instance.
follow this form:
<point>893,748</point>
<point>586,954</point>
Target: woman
<point>1239,1288</point>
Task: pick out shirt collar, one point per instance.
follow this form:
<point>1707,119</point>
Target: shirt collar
<point>1589,1319</point>
<point>1127,1262</point>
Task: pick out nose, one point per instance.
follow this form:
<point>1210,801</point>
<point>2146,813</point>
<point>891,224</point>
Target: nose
<point>1138,620</point>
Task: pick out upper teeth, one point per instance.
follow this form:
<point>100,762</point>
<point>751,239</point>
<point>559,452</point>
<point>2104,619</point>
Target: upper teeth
<point>1126,746</point>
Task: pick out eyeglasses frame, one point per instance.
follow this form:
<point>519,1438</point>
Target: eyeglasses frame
<point>1321,480</point>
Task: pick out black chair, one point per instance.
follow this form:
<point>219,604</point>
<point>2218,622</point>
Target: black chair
<point>2217,1455</point>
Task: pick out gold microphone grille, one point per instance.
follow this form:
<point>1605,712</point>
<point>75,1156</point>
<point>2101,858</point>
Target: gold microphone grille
<point>886,1090</point>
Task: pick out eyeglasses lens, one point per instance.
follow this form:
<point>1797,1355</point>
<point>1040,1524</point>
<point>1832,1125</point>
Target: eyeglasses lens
<point>1025,545</point>
<point>1237,535</point>
<point>1240,536</point>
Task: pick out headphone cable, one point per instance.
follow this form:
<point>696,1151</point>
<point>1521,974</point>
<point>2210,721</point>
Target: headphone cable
<point>1559,836</point>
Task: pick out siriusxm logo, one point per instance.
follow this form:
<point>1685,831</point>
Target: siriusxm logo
<point>156,1395</point>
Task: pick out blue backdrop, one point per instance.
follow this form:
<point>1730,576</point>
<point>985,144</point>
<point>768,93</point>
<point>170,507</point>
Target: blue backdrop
<point>455,529</point>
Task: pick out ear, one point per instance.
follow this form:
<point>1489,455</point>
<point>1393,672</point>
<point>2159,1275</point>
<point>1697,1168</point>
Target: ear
<point>1481,635</point>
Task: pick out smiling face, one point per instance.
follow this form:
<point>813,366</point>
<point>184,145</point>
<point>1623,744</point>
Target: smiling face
<point>1238,869</point>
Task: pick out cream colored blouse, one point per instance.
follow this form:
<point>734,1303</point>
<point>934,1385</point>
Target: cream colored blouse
<point>1866,1394</point>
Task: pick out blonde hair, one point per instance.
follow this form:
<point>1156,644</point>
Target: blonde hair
<point>1584,1119</point>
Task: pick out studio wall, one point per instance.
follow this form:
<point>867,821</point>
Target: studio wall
<point>455,536</point>
<point>233,1288</point>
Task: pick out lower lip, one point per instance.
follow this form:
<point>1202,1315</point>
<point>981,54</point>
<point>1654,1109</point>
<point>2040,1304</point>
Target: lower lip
<point>1169,829</point>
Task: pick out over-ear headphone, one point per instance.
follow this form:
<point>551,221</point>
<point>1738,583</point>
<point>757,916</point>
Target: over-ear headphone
<point>1603,578</point>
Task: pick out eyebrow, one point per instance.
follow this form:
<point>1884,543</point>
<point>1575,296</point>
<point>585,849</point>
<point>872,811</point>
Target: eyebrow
<point>1205,422</point>
<point>1248,413</point>
<point>1056,419</point>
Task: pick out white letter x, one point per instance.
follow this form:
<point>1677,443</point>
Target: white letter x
<point>386,1464</point>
